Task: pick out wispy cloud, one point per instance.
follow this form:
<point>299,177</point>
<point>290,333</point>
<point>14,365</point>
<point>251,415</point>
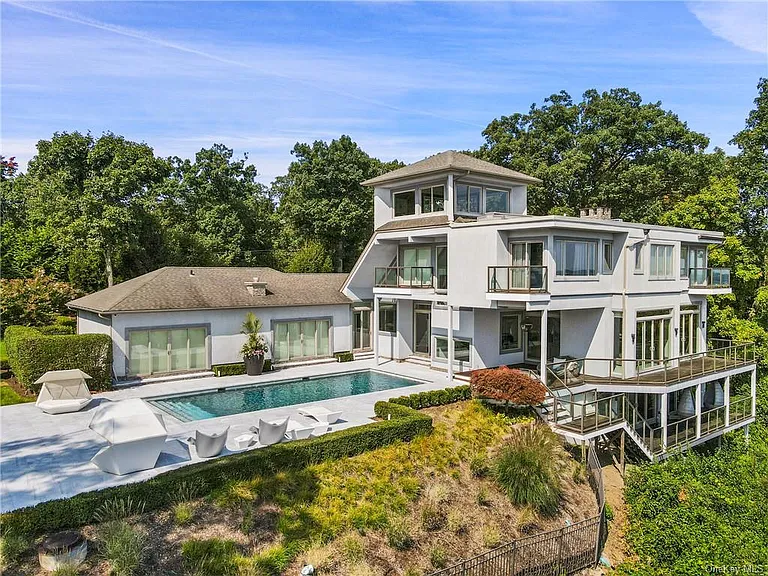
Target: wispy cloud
<point>744,24</point>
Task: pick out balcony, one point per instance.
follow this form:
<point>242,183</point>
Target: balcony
<point>517,279</point>
<point>709,278</point>
<point>404,277</point>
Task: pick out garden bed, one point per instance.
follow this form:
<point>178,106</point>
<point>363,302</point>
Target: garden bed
<point>408,508</point>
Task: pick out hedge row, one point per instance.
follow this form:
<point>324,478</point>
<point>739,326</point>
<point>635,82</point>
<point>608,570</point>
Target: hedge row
<point>434,397</point>
<point>344,356</point>
<point>32,353</point>
<point>399,424</point>
<point>237,368</point>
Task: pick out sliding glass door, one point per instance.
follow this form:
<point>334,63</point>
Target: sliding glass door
<point>301,340</point>
<point>166,350</point>
<point>653,342</point>
<point>689,330</point>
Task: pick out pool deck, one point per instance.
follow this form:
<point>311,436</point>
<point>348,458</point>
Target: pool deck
<point>46,457</point>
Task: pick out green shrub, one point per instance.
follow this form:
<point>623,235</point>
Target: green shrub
<point>483,498</point>
<point>352,548</point>
<point>183,512</point>
<point>438,557</point>
<point>67,322</point>
<point>160,491</point>
<point>479,466</point>
<point>344,356</point>
<point>118,509</point>
<point>32,353</point>
<point>9,396</point>
<point>4,364</point>
<point>433,516</point>
<point>123,547</point>
<point>399,534</point>
<point>55,330</point>
<point>529,466</point>
<point>34,301</point>
<point>12,546</point>
<point>434,397</point>
<point>236,369</point>
<point>213,557</point>
<point>66,570</point>
<point>273,561</point>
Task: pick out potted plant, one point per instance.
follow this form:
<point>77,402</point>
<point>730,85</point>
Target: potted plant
<point>254,348</point>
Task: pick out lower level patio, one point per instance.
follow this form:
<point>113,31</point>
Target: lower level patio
<point>46,457</point>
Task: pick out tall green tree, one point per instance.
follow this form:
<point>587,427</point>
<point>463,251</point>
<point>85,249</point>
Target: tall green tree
<point>321,197</point>
<point>610,149</point>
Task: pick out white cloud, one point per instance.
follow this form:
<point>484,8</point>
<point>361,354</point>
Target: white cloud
<point>744,24</point>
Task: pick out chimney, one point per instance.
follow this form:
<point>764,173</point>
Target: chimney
<point>256,288</point>
<point>599,213</point>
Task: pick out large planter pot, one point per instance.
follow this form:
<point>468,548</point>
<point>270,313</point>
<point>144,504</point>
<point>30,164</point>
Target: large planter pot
<point>254,365</point>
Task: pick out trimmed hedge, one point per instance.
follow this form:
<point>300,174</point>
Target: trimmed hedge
<point>344,356</point>
<point>158,492</point>
<point>31,353</point>
<point>237,368</point>
<point>434,397</point>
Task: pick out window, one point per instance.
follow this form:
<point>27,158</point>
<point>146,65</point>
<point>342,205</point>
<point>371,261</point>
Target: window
<point>433,199</point>
<point>405,203</point>
<point>157,351</point>
<point>496,201</point>
<point>417,266</point>
<point>460,349</point>
<point>639,258</point>
<point>301,339</point>
<point>576,257</point>
<point>683,261</point>
<point>467,198</point>
<point>388,317</point>
<point>618,339</point>
<point>442,267</point>
<point>510,332</point>
<point>607,257</point>
<point>662,261</point>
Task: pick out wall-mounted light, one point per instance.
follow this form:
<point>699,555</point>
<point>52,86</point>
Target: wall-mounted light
<point>703,323</point>
<point>676,331</point>
<point>527,326</point>
<point>633,338</point>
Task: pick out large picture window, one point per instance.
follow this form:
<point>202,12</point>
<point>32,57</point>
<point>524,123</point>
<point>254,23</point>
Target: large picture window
<point>662,261</point>
<point>405,203</point>
<point>301,339</point>
<point>496,200</point>
<point>468,198</point>
<point>576,257</point>
<point>388,317</point>
<point>510,332</point>
<point>460,349</point>
<point>166,350</point>
<point>433,199</point>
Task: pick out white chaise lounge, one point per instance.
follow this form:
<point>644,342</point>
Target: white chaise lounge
<point>135,433</point>
<point>320,414</point>
<point>63,391</point>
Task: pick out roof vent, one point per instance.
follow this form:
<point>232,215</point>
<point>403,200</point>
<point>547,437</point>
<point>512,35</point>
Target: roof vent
<point>599,213</point>
<point>191,272</point>
<point>256,288</point>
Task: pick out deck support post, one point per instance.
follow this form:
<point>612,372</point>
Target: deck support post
<point>753,381</point>
<point>543,347</point>
<point>664,415</point>
<point>376,303</point>
<point>584,451</point>
<point>451,353</point>
<point>698,410</point>
<point>727,400</point>
<point>621,455</point>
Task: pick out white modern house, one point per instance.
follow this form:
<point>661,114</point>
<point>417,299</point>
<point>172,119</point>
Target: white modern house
<point>610,315</point>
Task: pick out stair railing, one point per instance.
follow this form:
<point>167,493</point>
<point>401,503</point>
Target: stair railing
<point>650,436</point>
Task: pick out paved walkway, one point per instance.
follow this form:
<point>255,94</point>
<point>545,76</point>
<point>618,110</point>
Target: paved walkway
<point>46,457</point>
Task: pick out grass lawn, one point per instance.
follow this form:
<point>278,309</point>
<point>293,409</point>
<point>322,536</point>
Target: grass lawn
<point>408,508</point>
<point>9,396</point>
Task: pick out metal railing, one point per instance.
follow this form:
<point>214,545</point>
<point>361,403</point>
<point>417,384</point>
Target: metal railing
<point>681,431</point>
<point>562,551</point>
<point>709,277</point>
<point>586,416</point>
<point>517,279</point>
<point>713,420</point>
<point>740,409</point>
<point>650,435</point>
<point>404,276</point>
<point>720,355</point>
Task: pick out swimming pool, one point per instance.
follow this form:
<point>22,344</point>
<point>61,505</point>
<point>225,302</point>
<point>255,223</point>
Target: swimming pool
<point>239,399</point>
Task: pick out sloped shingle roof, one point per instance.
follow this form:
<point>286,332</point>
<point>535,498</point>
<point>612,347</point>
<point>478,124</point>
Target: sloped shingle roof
<point>450,160</point>
<point>190,288</point>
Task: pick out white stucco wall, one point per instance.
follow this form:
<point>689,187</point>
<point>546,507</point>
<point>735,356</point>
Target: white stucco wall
<point>224,339</point>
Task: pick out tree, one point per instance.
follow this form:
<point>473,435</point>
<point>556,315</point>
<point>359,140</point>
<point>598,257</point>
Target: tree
<point>610,150</point>
<point>34,301</point>
<point>311,257</point>
<point>321,198</point>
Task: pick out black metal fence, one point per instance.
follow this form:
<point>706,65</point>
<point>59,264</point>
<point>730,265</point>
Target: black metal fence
<point>554,553</point>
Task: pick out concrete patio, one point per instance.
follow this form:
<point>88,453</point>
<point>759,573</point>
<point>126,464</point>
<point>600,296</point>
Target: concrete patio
<point>46,457</point>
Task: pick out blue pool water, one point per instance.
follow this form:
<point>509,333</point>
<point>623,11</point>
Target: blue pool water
<point>212,404</point>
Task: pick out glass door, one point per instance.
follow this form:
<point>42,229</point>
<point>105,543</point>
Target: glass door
<point>302,339</point>
<point>652,342</point>
<point>167,350</point>
<point>422,328</point>
<point>697,262</point>
<point>417,266</point>
<point>441,258</point>
<point>362,329</point>
<point>689,332</point>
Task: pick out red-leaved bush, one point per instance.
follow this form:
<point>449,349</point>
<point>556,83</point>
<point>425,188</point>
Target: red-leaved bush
<point>508,385</point>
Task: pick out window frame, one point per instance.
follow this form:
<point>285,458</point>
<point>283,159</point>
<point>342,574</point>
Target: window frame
<point>486,190</point>
<point>482,191</point>
<point>429,191</point>
<point>607,254</point>
<point>638,269</point>
<point>559,246</point>
<point>394,203</point>
<point>467,341</point>
<point>519,347</point>
<point>667,260</point>
<point>384,308</point>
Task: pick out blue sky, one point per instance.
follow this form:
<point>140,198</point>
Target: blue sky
<point>405,80</point>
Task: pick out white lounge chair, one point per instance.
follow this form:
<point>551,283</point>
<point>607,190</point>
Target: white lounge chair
<point>209,445</point>
<point>270,433</point>
<point>322,415</point>
<point>63,391</point>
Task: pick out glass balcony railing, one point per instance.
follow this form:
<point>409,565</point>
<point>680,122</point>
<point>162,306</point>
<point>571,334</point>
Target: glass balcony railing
<point>709,277</point>
<point>404,277</point>
<point>517,279</point>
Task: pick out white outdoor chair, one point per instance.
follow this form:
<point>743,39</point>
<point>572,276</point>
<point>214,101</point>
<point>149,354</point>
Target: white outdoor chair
<point>270,433</point>
<point>63,391</point>
<point>322,415</point>
<point>209,445</point>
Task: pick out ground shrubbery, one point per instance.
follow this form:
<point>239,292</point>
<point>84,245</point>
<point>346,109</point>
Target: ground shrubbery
<point>529,468</point>
<point>36,301</point>
<point>507,385</point>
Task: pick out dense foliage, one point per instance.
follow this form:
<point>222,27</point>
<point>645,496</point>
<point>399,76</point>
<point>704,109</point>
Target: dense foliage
<point>507,385</point>
<point>34,301</point>
<point>32,353</point>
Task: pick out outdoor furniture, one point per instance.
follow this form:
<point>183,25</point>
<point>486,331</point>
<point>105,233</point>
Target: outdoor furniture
<point>270,433</point>
<point>209,445</point>
<point>135,433</point>
<point>320,414</point>
<point>244,441</point>
<point>63,391</point>
<point>296,430</point>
